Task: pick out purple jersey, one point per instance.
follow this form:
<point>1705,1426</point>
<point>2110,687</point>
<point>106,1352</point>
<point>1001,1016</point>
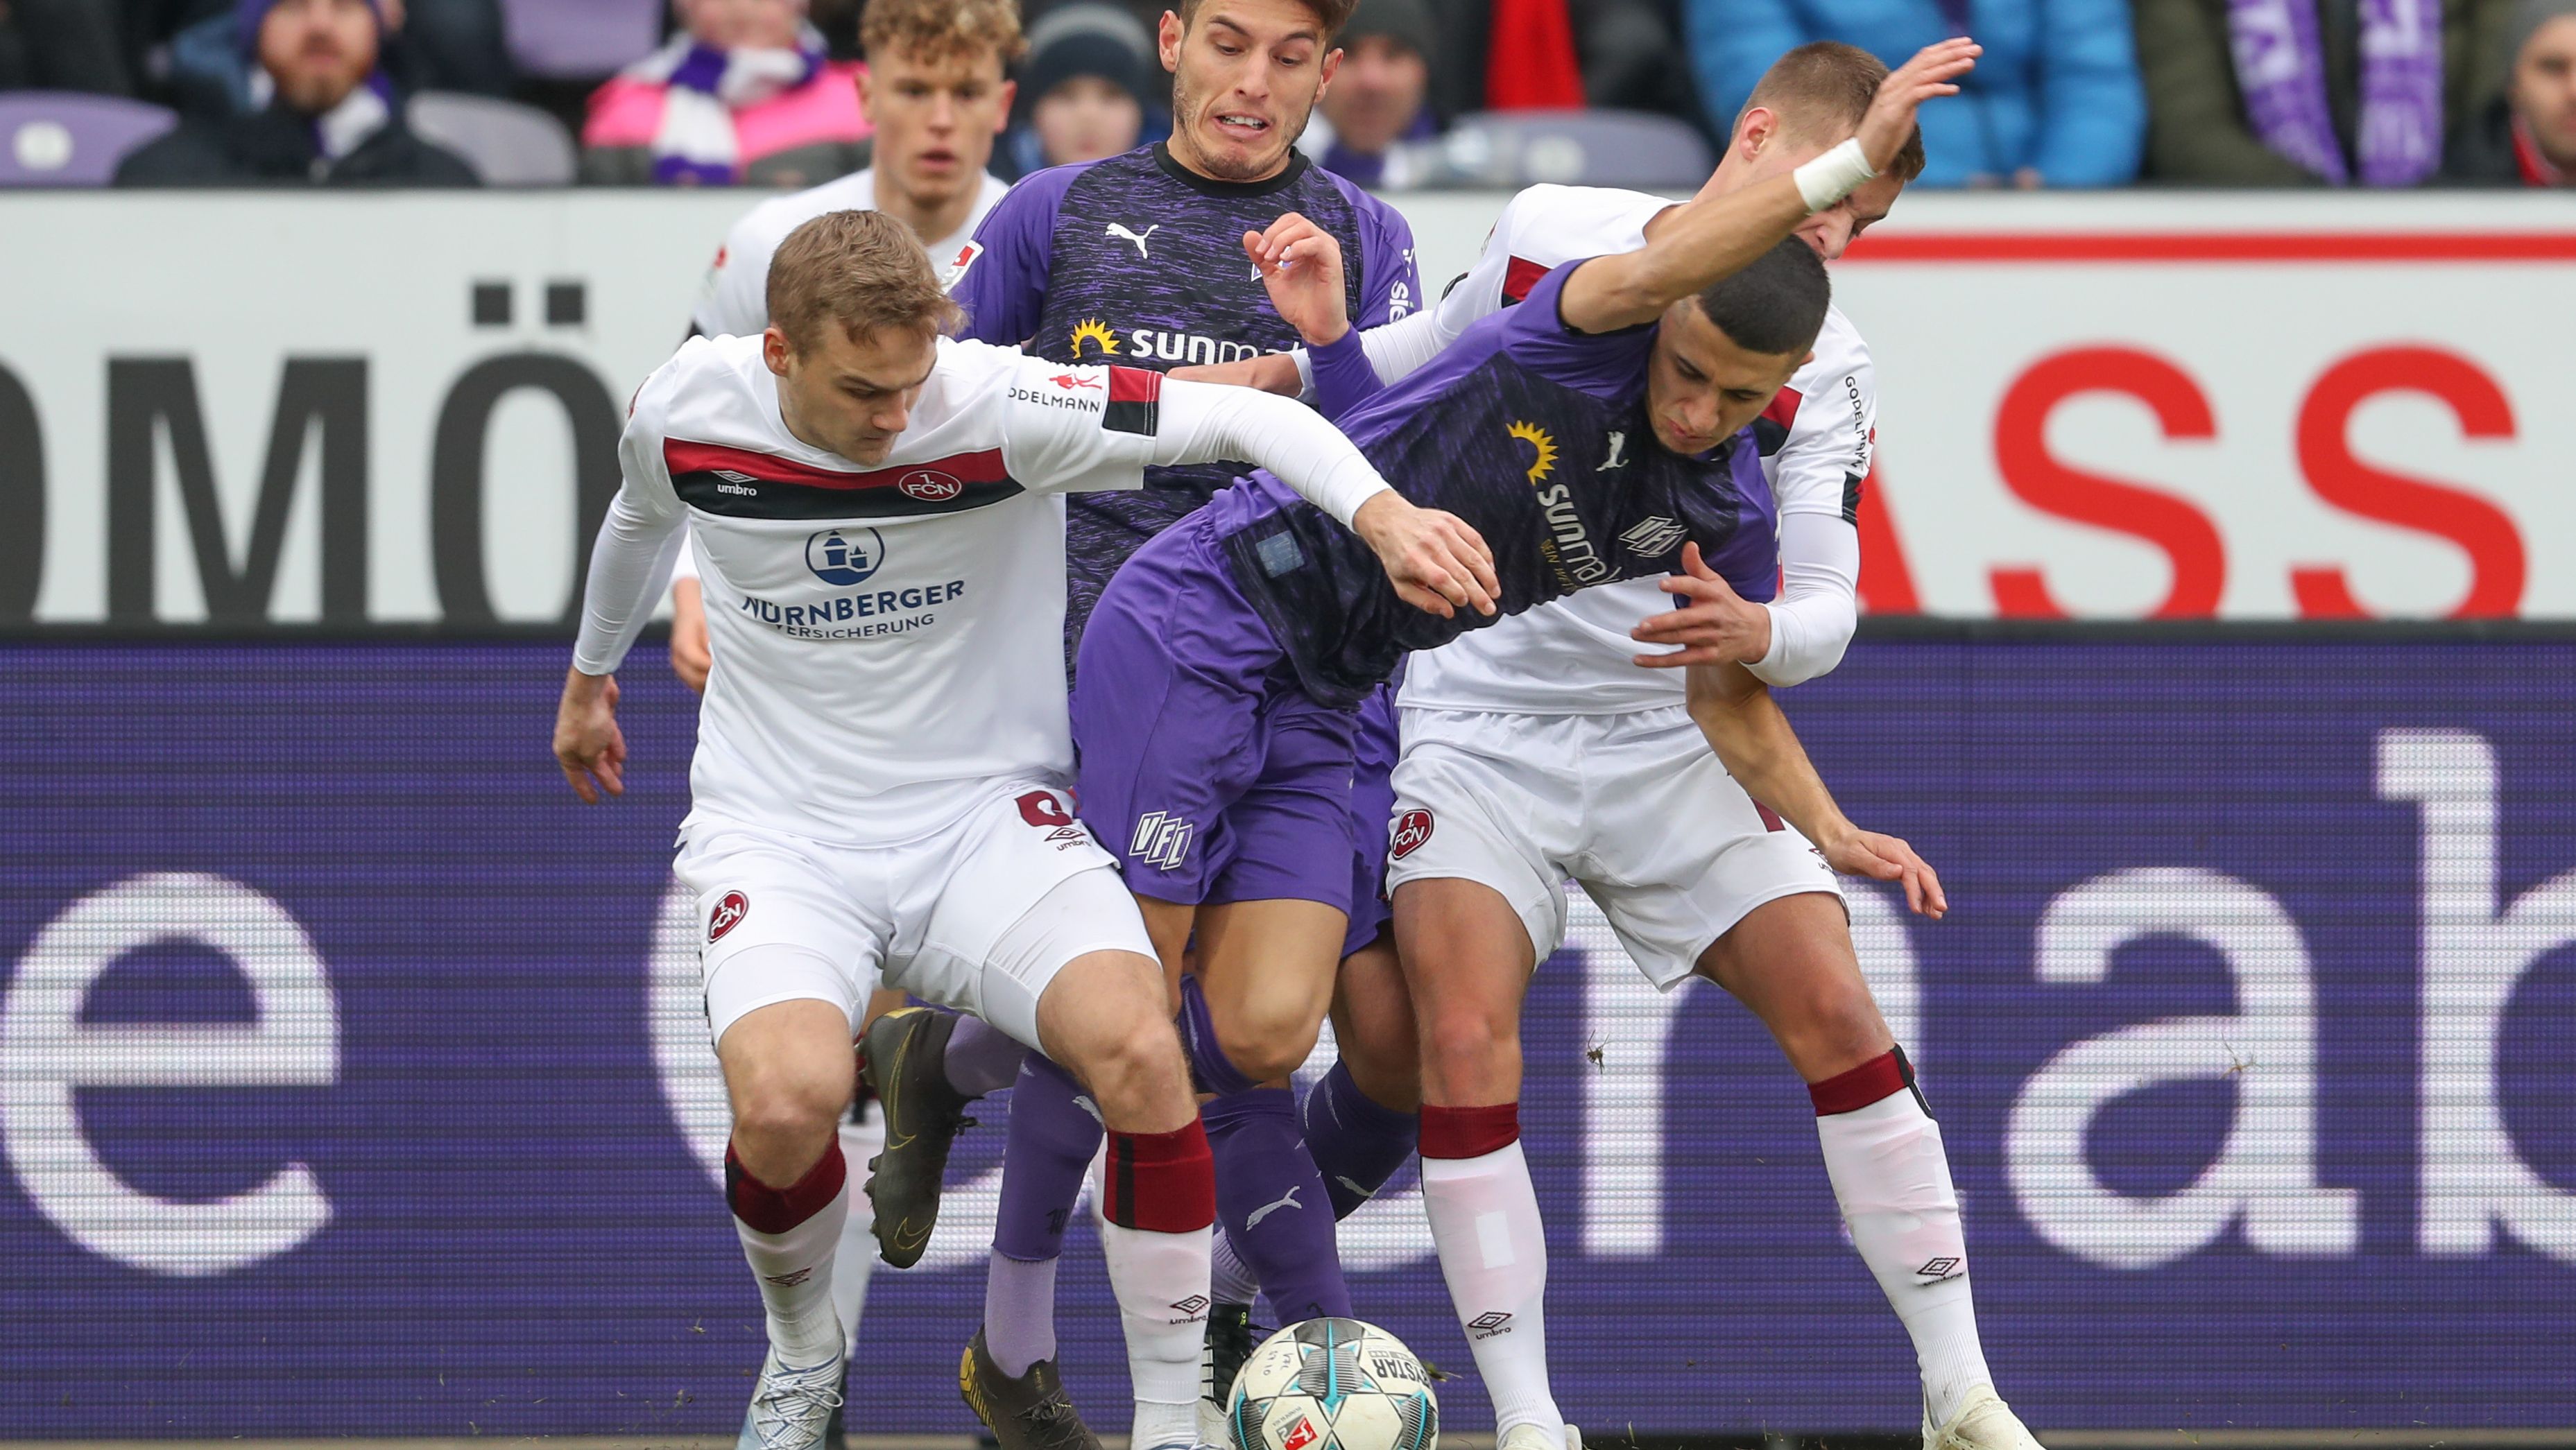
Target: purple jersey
<point>1136,260</point>
<point>1537,436</point>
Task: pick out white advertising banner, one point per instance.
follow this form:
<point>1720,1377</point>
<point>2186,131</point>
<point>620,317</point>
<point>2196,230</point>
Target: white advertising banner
<point>282,408</point>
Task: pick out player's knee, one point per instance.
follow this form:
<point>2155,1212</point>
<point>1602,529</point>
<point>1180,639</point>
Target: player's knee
<point>1465,1045</point>
<point>1837,1027</point>
<point>1134,1066</point>
<point>1268,1051</point>
<point>785,1103</point>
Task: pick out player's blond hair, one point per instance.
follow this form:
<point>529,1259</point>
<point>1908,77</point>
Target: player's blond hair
<point>1333,14</point>
<point>936,30</point>
<point>861,271</point>
<point>1827,85</point>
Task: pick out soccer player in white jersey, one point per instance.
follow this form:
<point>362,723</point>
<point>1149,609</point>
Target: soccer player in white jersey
<point>878,785</point>
<point>1536,750</point>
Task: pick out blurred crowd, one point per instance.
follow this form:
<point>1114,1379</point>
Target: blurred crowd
<point>2071,93</point>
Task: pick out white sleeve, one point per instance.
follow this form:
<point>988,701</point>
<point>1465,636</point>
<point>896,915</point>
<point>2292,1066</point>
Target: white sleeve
<point>1819,604</point>
<point>1086,428</point>
<point>1399,347</point>
<point>684,565</point>
<point>631,560</point>
<point>734,302</point>
<point>1209,423</point>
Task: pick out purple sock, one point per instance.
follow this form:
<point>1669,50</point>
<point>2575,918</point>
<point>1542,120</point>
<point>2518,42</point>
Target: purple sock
<point>1019,1312</point>
<point>1273,1206</point>
<point>981,1058</point>
<point>1209,1069</point>
<point>1050,1147</point>
<point>1357,1142</point>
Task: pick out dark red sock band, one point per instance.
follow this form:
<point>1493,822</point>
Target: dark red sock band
<point>1880,1078</point>
<point>1162,1183</point>
<point>1469,1132</point>
<point>776,1210</point>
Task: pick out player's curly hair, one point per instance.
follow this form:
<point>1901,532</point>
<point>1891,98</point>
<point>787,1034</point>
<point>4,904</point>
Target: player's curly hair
<point>1826,86</point>
<point>943,29</point>
<point>1334,14</point>
<point>861,271</point>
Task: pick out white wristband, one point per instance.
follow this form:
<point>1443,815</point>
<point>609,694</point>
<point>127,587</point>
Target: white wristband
<point>1835,175</point>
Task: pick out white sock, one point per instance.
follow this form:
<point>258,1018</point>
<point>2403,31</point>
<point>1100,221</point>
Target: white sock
<point>795,1273</point>
<point>1161,1280</point>
<point>1893,1180</point>
<point>856,1261</point>
<point>1493,1251</point>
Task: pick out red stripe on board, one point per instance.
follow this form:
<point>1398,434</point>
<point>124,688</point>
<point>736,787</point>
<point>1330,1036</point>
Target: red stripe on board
<point>682,456</point>
<point>2217,247</point>
<point>1135,385</point>
<point>1520,277</point>
<point>1783,409</point>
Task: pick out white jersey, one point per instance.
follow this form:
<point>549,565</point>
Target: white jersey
<point>887,640</point>
<point>1572,656</point>
<point>735,299</point>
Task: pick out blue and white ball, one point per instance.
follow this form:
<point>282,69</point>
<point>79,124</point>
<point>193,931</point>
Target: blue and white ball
<point>1333,1384</point>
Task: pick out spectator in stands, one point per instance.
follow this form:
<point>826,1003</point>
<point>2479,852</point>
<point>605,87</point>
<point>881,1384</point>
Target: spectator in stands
<point>2528,134</point>
<point>327,115</point>
<point>1378,99</point>
<point>2055,102</point>
<point>743,93</point>
<point>1085,92</point>
<point>197,57</point>
<point>2308,92</point>
<point>62,45</point>
<point>1508,55</point>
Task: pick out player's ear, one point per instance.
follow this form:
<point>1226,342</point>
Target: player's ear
<point>868,95</point>
<point>1332,63</point>
<point>1010,93</point>
<point>774,350</point>
<point>1168,41</point>
<point>1756,131</point>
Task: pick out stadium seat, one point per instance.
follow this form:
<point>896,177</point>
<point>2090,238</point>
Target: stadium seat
<point>61,138</point>
<point>1587,148</point>
<point>580,39</point>
<point>506,143</point>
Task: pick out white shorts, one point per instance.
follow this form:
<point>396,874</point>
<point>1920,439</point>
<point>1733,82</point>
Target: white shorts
<point>1634,807</point>
<point>979,915</point>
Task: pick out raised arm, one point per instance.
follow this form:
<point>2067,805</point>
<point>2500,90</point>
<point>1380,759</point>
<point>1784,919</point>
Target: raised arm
<point>1711,238</point>
<point>1753,740</point>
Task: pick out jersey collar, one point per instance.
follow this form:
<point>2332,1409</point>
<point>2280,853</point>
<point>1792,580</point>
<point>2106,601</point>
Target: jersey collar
<point>1210,186</point>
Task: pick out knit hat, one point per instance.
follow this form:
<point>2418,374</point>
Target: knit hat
<point>1405,21</point>
<point>249,15</point>
<point>1086,40</point>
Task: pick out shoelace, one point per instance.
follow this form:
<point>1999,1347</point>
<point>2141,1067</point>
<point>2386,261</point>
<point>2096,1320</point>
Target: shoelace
<point>1054,1424</point>
<point>795,1400</point>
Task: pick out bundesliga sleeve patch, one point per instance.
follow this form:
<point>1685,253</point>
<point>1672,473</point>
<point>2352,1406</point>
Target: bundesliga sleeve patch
<point>1135,402</point>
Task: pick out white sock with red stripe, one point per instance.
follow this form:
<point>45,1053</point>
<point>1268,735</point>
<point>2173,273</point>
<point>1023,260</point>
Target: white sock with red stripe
<point>1158,1197</point>
<point>791,1236</point>
<point>1493,1251</point>
<point>1892,1178</point>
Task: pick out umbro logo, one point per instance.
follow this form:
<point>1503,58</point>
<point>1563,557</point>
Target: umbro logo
<point>1190,1310</point>
<point>1652,536</point>
<point>1489,1324</point>
<point>789,1281</point>
<point>1945,1267</point>
<point>1162,840</point>
<point>732,477</point>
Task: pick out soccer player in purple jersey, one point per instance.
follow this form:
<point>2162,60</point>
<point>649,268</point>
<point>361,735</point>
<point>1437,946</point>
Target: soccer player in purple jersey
<point>1140,260</point>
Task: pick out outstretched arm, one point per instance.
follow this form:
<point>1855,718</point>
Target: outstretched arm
<point>1753,740</point>
<point>1710,239</point>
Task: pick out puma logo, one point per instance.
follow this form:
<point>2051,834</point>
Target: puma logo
<point>1358,1190</point>
<point>1115,230</point>
<point>1253,1219</point>
<point>1618,447</point>
<point>1088,1106</point>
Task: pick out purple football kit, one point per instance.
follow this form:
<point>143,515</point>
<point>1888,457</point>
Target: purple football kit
<point>1138,261</point>
<point>1218,679</point>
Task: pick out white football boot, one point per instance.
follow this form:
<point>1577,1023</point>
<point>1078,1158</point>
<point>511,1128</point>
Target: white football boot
<point>1984,1422</point>
<point>1531,1437</point>
<point>791,1408</point>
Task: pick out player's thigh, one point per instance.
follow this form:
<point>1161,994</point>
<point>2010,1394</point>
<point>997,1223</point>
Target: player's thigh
<point>991,910</point>
<point>1491,800</point>
<point>1674,852</point>
<point>1267,970</point>
<point>1374,1027</point>
<point>789,1070</point>
<point>777,922</point>
<point>1791,961</point>
<point>1376,745</point>
<point>1466,959</point>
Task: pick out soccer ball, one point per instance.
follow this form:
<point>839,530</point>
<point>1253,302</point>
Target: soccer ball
<point>1333,1384</point>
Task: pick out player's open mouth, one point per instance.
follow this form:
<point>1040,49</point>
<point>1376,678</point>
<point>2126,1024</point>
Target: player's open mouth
<point>1244,126</point>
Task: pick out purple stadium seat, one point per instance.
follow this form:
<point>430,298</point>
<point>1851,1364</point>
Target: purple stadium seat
<point>580,39</point>
<point>64,138</point>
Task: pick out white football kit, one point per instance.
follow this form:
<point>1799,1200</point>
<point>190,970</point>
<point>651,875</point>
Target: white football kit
<point>1535,750</point>
<point>735,298</point>
<point>884,745</point>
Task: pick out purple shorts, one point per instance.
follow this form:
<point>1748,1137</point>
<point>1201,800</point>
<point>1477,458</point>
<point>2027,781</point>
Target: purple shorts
<point>1374,749</point>
<point>1201,764</point>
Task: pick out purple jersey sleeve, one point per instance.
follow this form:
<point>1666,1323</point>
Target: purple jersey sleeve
<point>1604,364</point>
<point>1004,288</point>
<point>1390,287</point>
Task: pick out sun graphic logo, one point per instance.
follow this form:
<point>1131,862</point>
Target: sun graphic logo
<point>1092,329</point>
<point>1545,449</point>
